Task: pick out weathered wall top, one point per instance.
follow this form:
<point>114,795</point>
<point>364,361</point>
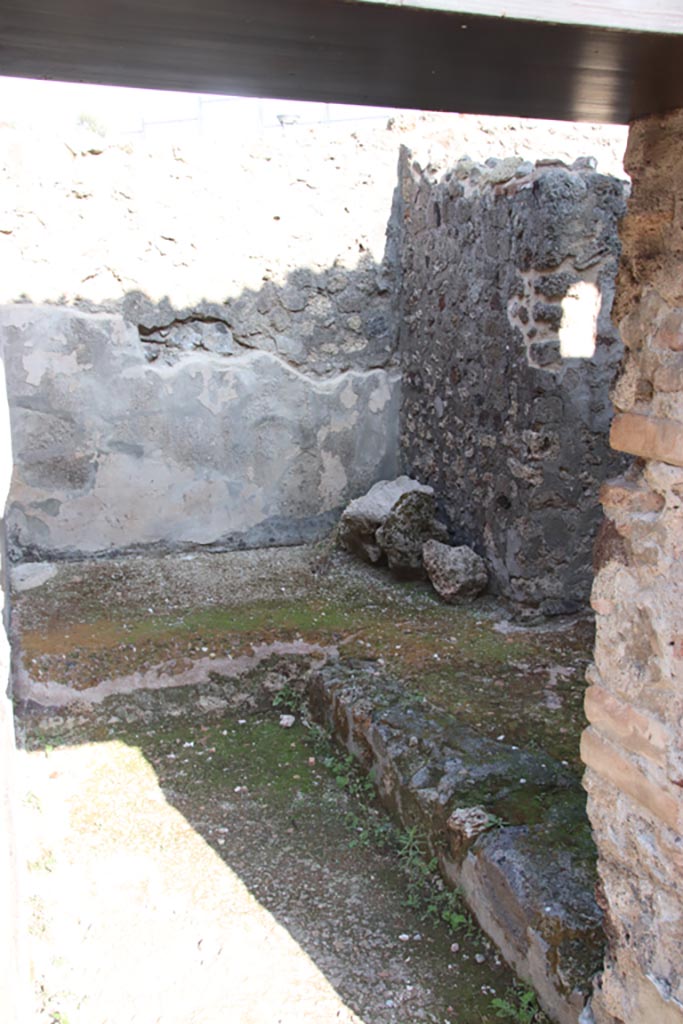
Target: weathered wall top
<point>86,220</point>
<point>284,242</point>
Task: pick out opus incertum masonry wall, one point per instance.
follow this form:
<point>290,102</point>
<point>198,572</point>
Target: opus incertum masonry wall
<point>508,351</point>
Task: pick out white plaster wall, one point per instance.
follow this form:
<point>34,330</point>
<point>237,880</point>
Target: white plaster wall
<point>114,452</point>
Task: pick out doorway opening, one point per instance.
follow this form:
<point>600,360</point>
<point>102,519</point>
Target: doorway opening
<point>246,344</point>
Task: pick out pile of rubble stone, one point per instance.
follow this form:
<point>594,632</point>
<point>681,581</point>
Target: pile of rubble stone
<point>395,523</point>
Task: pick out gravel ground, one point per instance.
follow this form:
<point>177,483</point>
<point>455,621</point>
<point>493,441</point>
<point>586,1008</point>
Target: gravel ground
<point>188,862</point>
<point>207,871</point>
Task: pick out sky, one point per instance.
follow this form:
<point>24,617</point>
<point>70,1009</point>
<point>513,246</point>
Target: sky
<point>115,111</point>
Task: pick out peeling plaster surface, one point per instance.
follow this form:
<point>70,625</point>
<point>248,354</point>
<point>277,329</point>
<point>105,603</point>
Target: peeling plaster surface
<point>114,452</point>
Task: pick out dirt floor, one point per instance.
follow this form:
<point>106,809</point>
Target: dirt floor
<point>100,627</point>
<point>191,860</point>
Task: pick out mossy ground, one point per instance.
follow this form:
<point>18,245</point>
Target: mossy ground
<point>105,620</point>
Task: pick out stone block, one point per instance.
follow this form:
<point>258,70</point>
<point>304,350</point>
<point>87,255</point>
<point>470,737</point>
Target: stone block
<point>540,909</point>
<point>454,571</point>
<point>364,516</point>
<point>630,836</point>
<point>648,437</point>
<point>669,334</point>
<point>464,825</point>
<point>630,496</point>
<point>537,913</point>
<point>629,995</point>
<point>668,376</point>
<point>659,797</point>
<point>404,531</point>
<point>652,1003</point>
<point>624,725</point>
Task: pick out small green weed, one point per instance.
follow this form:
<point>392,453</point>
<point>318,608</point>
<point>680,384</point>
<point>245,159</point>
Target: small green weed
<point>425,890</point>
<point>289,699</point>
<point>371,828</point>
<point>349,776</point>
<point>495,821</point>
<point>347,771</point>
<point>519,1005</point>
<point>58,1018</point>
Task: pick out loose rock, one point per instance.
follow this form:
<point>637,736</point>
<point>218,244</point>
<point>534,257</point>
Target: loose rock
<point>362,517</point>
<point>454,572</point>
<point>406,528</point>
<point>464,825</point>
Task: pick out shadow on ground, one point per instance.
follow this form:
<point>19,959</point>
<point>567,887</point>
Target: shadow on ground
<point>191,857</point>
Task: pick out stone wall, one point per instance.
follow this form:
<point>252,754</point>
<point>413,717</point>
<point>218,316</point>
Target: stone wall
<point>208,353</point>
<point>212,447</point>
<point>633,747</point>
<point>14,974</point>
<point>508,352</point>
<point>202,345</point>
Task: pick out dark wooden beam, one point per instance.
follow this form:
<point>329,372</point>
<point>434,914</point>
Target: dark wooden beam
<point>348,52</point>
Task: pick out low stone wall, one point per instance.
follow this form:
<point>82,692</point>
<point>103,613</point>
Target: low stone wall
<point>508,352</point>
<point>635,701</point>
<point>530,891</point>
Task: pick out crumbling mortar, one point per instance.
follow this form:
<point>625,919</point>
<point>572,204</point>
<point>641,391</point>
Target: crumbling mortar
<point>147,332</point>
